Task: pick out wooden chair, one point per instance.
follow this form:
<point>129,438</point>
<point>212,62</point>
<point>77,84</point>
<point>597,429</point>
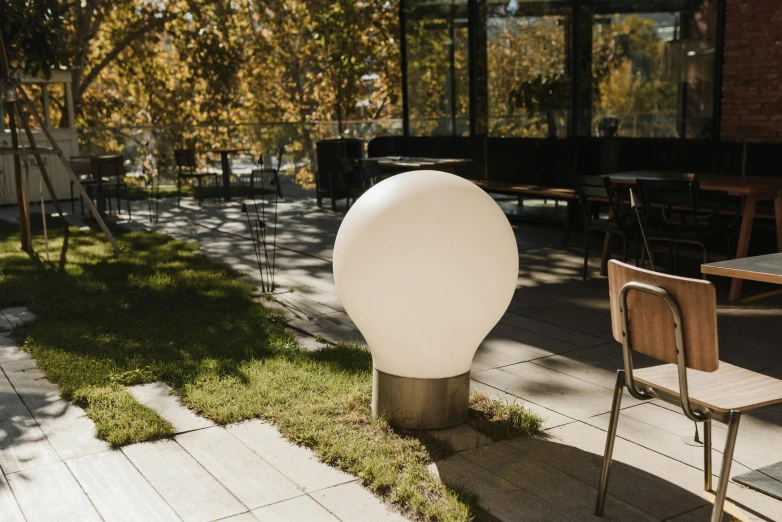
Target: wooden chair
<point>674,319</point>
<point>186,165</point>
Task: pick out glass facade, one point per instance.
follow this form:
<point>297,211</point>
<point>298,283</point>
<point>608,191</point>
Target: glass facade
<point>560,68</point>
<point>437,67</point>
<point>527,56</point>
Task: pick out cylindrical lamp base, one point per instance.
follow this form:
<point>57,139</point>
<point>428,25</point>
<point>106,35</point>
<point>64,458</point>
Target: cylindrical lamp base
<point>421,404</point>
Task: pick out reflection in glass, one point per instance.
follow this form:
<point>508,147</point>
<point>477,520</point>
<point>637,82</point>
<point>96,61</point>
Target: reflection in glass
<point>528,79</point>
<point>437,67</point>
<point>653,68</point>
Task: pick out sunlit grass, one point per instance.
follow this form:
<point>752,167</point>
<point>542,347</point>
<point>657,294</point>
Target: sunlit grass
<point>160,311</point>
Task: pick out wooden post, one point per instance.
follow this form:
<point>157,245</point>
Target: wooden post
<point>21,194</point>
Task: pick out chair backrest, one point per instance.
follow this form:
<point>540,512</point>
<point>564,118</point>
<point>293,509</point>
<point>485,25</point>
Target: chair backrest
<point>107,166</point>
<point>591,187</point>
<point>651,323</point>
<point>682,195</point>
<point>80,165</point>
<point>185,158</point>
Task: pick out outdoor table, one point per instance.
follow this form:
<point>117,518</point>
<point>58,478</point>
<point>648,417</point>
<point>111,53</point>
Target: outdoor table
<point>767,269</point>
<point>225,165</point>
<point>750,188</point>
<point>397,164</point>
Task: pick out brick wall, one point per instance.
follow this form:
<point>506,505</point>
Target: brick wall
<point>752,71</point>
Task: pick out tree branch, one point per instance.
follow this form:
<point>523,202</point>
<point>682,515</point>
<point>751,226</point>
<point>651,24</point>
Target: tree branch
<point>121,46</point>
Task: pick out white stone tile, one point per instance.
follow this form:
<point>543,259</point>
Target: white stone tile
<point>118,490</point>
<point>22,443</point>
<point>157,395</point>
<point>299,508</point>
<point>243,517</point>
<point>461,437</point>
<point>295,462</point>
<point>9,509</point>
<point>9,351</point>
<point>50,493</point>
<point>187,487</point>
<point>250,478</point>
<point>352,503</point>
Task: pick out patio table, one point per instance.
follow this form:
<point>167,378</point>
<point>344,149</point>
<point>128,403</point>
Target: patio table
<point>397,164</point>
<point>750,188</point>
<point>767,269</point>
<point>225,165</point>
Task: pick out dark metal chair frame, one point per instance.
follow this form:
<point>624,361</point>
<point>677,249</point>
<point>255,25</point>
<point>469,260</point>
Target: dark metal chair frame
<point>688,196</point>
<point>111,166</point>
<point>591,191</point>
<point>185,159</point>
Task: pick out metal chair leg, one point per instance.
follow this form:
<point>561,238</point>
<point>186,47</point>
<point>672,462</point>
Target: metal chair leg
<point>727,460</point>
<point>586,251</point>
<point>178,189</point>
<point>707,470</point>
<point>610,438</point>
<point>200,194</point>
<point>73,209</point>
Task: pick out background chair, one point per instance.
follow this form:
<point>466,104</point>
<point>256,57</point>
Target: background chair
<point>598,191</point>
<point>82,168</point>
<point>674,214</point>
<point>186,165</point>
<point>674,320</point>
<point>107,168</point>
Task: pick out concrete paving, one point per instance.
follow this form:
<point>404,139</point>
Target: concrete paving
<point>553,352</point>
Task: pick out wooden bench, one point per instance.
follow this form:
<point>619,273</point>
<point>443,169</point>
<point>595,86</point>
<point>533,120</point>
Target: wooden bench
<point>556,193</point>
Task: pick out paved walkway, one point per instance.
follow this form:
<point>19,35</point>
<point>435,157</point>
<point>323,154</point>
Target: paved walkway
<point>552,351</point>
<point>54,469</point>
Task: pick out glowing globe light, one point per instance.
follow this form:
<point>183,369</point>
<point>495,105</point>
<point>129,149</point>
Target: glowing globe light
<point>425,265</point>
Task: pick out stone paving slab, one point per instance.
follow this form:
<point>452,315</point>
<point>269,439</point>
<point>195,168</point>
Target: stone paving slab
<point>581,340</point>
<point>157,395</point>
<point>298,464</point>
<point>299,508</point>
<point>569,494</point>
<point>462,437</point>
<point>496,495</point>
<point>9,509</point>
<point>352,503</point>
<point>9,351</point>
<point>118,490</point>
<point>551,419</point>
<point>188,488</point>
<point>250,478</point>
<point>23,445</point>
<point>51,493</point>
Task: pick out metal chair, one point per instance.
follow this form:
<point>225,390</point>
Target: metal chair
<point>104,169</point>
<point>186,164</point>
<point>674,319</point>
<point>673,214</point>
<point>82,167</point>
<point>598,190</point>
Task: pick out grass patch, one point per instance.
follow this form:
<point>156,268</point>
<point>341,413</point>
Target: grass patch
<point>161,311</point>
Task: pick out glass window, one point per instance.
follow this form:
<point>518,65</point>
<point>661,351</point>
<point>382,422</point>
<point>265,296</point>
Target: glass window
<point>437,67</point>
<point>653,68</point>
<point>527,58</point>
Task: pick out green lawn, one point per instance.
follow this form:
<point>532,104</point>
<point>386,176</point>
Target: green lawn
<point>161,311</point>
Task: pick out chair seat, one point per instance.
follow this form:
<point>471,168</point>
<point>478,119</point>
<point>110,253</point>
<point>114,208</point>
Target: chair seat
<point>728,388</point>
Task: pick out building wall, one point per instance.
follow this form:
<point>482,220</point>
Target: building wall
<point>752,71</point>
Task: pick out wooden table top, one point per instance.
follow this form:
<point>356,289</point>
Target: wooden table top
<point>415,162</point>
<point>736,185</point>
<point>767,269</point>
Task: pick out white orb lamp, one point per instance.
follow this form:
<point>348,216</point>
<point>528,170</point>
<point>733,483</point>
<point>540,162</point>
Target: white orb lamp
<point>425,265</point>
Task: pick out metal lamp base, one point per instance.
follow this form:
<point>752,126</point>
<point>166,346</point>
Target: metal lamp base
<point>421,404</point>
